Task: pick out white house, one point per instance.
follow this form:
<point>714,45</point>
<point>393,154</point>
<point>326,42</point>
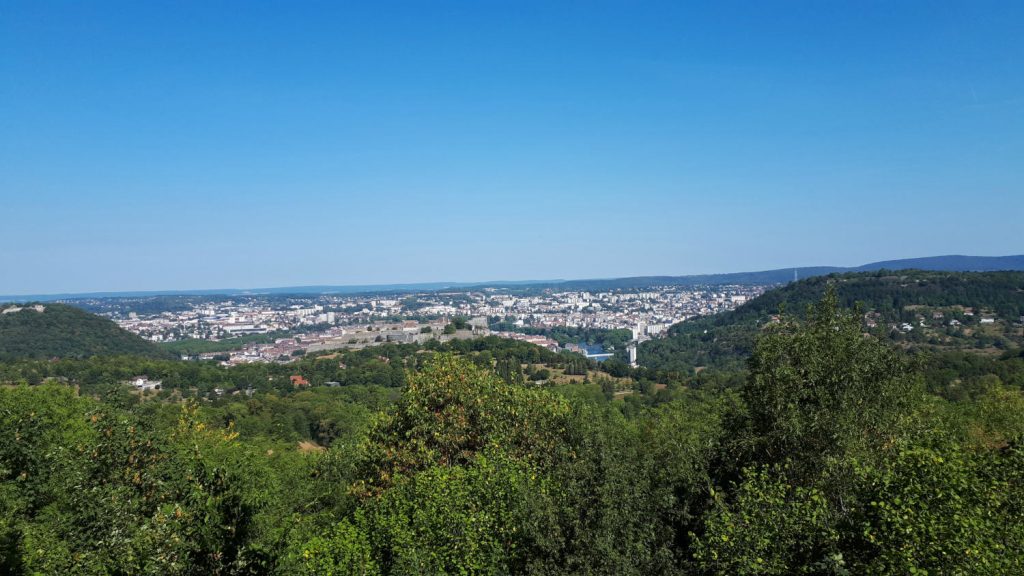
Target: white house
<point>144,383</point>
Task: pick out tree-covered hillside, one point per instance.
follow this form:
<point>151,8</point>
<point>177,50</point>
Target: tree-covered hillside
<point>385,366</point>
<point>61,331</point>
<point>960,310</point>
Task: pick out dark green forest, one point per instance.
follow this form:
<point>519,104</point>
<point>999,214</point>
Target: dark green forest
<point>62,331</point>
<point>827,449</point>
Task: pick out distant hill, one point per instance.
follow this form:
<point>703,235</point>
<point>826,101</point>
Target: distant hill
<point>43,331</point>
<point>743,278</point>
<point>780,276</point>
<point>894,298</point>
<point>279,291</point>
<point>949,264</point>
<point>785,275</point>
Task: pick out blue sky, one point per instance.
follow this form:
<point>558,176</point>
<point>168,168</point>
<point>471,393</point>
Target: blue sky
<point>173,145</point>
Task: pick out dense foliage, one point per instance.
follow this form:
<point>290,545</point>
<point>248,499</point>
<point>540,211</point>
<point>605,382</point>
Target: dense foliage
<point>836,453</point>
<point>61,331</point>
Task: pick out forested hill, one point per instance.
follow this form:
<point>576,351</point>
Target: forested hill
<point>953,263</point>
<point>950,310</point>
<point>61,331</point>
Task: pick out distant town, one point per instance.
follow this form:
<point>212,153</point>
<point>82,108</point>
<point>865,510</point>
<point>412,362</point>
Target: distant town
<point>280,328</point>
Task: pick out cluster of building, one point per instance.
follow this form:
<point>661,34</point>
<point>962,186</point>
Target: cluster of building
<point>329,321</point>
<point>224,319</point>
<point>953,317</point>
<point>647,312</point>
<point>343,337</point>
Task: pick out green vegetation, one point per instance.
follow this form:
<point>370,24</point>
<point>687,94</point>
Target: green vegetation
<point>384,366</point>
<point>62,331</point>
<point>927,301</point>
<point>195,346</point>
<point>833,452</point>
<point>609,339</point>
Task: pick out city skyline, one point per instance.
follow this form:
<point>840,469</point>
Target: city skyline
<point>174,147</point>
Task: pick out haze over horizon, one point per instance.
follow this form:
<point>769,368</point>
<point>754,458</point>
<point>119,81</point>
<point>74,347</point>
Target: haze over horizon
<point>190,145</point>
<point>1005,264</point>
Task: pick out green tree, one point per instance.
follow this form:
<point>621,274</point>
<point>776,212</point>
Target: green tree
<point>942,510</point>
<point>468,519</point>
<point>769,527</point>
<point>509,370</point>
<point>821,390</point>
<point>449,412</point>
<point>343,550</point>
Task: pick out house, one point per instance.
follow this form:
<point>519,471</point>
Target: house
<point>988,320</point>
<point>298,381</point>
<point>144,383</point>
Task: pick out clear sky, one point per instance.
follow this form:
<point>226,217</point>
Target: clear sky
<point>173,145</point>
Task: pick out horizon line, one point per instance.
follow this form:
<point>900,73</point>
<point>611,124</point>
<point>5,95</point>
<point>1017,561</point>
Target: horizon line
<point>430,285</point>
